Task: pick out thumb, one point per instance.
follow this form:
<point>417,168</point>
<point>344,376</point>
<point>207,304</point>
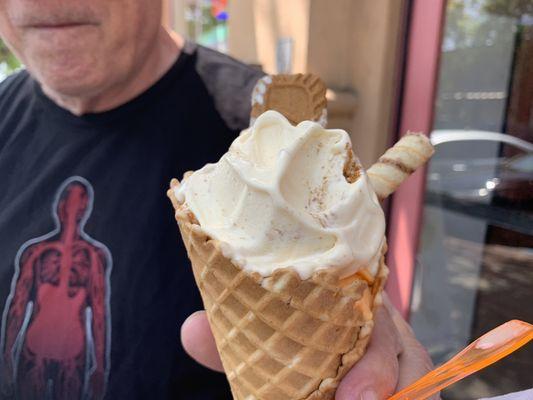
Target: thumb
<point>198,341</point>
<point>414,360</point>
<point>375,375</point>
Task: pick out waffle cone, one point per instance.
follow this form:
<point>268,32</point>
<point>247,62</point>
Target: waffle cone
<point>280,337</point>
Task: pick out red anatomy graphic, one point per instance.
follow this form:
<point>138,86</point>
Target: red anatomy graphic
<point>55,329</point>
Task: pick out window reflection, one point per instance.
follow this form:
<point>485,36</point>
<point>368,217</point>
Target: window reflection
<point>475,261</point>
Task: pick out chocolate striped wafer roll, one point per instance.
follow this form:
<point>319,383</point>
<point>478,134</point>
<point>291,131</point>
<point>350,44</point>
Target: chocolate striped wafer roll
<point>410,152</point>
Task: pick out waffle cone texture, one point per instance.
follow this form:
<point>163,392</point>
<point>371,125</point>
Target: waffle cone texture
<point>280,337</point>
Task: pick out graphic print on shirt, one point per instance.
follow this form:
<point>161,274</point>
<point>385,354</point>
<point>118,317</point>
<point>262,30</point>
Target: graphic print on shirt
<point>56,331</point>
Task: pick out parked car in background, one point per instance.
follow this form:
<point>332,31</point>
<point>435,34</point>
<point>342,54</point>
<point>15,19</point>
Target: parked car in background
<point>482,186</point>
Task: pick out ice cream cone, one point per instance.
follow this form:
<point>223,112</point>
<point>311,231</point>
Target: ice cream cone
<point>280,337</point>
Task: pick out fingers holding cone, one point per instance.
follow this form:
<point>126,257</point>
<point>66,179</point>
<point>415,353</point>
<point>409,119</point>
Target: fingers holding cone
<point>198,341</point>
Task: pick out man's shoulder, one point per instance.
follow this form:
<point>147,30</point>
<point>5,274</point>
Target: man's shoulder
<point>14,88</point>
<point>14,82</point>
<point>213,61</point>
<point>16,103</point>
<point>230,82</point>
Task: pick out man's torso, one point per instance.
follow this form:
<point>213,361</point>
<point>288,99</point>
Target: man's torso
<point>94,281</point>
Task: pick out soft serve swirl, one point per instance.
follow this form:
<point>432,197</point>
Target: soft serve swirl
<point>278,198</point>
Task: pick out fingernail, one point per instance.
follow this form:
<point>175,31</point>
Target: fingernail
<point>369,394</point>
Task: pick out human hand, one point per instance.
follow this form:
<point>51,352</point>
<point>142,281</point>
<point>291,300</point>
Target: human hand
<point>393,360</point>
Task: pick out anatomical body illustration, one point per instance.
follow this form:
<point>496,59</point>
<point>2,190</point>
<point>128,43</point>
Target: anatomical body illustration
<point>56,323</point>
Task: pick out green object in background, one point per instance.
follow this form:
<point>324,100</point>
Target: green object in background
<point>214,36</point>
<point>207,23</point>
<point>8,62</point>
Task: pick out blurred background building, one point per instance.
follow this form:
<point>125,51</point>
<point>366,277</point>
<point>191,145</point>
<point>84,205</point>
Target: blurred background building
<point>352,45</point>
<point>461,232</point>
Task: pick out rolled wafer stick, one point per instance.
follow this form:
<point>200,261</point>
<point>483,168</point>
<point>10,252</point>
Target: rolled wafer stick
<point>401,160</point>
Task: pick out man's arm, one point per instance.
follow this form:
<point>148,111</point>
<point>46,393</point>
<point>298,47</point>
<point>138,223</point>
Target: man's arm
<point>97,292</point>
<point>16,308</point>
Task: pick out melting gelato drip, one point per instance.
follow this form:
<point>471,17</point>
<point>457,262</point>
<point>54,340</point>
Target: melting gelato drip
<point>279,198</point>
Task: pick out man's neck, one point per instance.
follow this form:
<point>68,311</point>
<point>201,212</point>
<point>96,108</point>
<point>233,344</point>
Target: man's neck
<point>158,62</point>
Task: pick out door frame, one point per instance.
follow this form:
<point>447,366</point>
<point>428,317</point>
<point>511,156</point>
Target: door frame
<point>425,27</point>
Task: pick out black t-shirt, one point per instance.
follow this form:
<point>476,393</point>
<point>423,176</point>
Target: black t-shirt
<point>94,280</point>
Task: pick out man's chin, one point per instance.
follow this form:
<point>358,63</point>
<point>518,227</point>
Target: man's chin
<point>73,88</point>
<point>67,71</point>
<point>71,84</point>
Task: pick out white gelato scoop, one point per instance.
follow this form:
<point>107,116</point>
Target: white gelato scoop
<point>279,198</point>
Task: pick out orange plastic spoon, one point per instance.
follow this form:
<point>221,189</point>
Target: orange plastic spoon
<point>483,352</point>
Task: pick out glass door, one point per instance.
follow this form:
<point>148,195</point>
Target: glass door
<point>474,265</point>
